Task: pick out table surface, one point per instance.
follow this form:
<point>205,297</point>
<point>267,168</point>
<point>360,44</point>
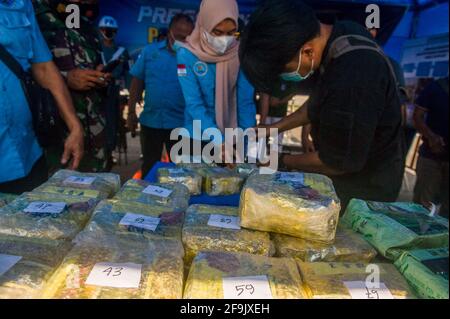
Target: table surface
<point>204,199</point>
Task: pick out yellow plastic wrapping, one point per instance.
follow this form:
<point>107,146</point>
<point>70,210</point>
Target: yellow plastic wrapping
<point>331,280</point>
<point>199,236</point>
<point>135,191</point>
<point>160,264</point>
<point>108,220</point>
<point>209,269</point>
<point>219,181</point>
<point>347,247</point>
<point>26,278</point>
<point>93,185</point>
<point>184,176</point>
<point>14,221</point>
<point>295,204</point>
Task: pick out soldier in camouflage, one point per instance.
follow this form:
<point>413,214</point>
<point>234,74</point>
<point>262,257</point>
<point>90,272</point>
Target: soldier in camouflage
<point>76,52</point>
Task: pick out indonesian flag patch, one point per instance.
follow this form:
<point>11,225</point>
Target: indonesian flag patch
<point>182,71</point>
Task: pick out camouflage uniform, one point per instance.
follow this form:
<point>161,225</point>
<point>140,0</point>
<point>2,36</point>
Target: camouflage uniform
<point>71,49</point>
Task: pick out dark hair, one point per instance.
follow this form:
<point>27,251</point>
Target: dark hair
<point>275,33</point>
<point>180,17</point>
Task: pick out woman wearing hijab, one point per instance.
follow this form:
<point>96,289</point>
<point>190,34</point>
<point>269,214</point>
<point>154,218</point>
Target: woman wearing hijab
<point>216,91</point>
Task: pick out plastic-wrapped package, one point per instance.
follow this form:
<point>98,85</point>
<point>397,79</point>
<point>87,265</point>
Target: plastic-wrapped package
<point>27,265</point>
<point>347,247</point>
<point>184,176</point>
<point>353,281</point>
<point>120,218</point>
<point>216,228</point>
<point>218,275</point>
<point>174,197</point>
<point>246,169</point>
<point>219,181</point>
<point>93,185</point>
<point>295,204</point>
<point>46,216</point>
<point>426,270</point>
<point>5,199</point>
<point>117,269</point>
<point>393,228</point>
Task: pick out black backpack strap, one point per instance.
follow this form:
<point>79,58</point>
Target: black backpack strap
<point>12,64</point>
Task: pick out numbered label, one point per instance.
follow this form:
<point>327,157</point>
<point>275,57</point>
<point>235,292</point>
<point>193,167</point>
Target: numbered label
<point>140,221</point>
<point>7,262</point>
<point>360,290</point>
<point>79,180</point>
<point>292,177</point>
<point>115,275</point>
<point>45,208</point>
<point>252,287</point>
<point>157,191</point>
<point>223,221</point>
<point>175,171</point>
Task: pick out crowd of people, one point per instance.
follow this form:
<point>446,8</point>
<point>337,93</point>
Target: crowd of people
<point>210,70</point>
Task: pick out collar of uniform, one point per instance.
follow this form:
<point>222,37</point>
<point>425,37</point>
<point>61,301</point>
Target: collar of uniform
<point>162,45</point>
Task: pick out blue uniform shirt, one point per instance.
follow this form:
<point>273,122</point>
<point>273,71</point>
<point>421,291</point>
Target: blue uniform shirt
<point>20,35</point>
<point>164,102</point>
<point>198,81</point>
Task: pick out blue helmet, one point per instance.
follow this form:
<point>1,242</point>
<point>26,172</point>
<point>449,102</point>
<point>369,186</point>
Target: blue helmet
<point>108,22</point>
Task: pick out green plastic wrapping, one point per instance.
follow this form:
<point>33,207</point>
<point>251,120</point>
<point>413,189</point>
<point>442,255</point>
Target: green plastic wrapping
<point>110,219</point>
<point>135,191</point>
<point>26,278</point>
<point>160,276</point>
<point>5,199</point>
<point>71,183</point>
<point>426,270</point>
<point>218,181</point>
<point>347,247</point>
<point>14,221</point>
<point>295,204</point>
<point>184,176</point>
<point>210,269</point>
<point>331,280</point>
<point>393,228</point>
<point>199,236</point>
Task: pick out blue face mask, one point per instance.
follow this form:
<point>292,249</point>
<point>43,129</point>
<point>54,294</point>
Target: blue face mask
<point>296,76</point>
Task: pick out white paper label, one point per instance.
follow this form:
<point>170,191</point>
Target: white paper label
<point>79,180</point>
<point>45,208</point>
<point>360,290</point>
<point>252,287</point>
<point>176,171</point>
<point>157,191</point>
<point>7,262</point>
<point>140,221</point>
<point>115,275</point>
<point>293,177</point>
<point>223,221</point>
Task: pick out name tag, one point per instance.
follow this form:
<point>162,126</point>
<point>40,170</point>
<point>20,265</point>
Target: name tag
<point>140,221</point>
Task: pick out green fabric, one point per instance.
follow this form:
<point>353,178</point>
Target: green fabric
<point>426,272</point>
<point>393,228</point>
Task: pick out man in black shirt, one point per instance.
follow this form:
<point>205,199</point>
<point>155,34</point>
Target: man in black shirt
<point>354,108</point>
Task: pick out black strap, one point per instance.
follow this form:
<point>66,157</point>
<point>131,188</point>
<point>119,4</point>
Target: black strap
<point>12,64</point>
<point>444,84</point>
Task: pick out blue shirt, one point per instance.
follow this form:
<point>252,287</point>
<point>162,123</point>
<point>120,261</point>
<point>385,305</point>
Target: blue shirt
<point>198,81</point>
<point>20,35</point>
<point>164,102</point>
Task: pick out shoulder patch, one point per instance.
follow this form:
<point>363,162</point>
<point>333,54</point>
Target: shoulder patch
<point>200,68</point>
<point>182,71</point>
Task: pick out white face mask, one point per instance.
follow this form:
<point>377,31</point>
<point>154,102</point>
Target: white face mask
<point>220,44</point>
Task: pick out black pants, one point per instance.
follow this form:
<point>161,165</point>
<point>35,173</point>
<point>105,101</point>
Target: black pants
<point>153,141</point>
<point>37,176</point>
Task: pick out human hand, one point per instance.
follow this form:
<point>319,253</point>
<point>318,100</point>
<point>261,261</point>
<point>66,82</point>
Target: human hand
<point>74,148</point>
<point>85,80</point>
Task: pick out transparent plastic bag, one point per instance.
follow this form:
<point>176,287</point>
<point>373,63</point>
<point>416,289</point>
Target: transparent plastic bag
<point>351,281</point>
<point>218,181</point>
<point>246,169</point>
<point>93,185</point>
<point>277,278</point>
<point>184,176</point>
<point>26,278</point>
<point>5,199</point>
<point>426,270</point>
<point>125,219</point>
<point>347,247</point>
<point>119,269</point>
<point>57,225</point>
<point>199,236</point>
<point>393,228</point>
<point>295,204</point>
<point>173,197</point>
